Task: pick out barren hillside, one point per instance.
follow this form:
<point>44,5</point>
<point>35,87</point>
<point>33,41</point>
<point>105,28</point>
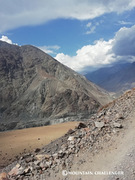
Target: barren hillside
<point>36,90</point>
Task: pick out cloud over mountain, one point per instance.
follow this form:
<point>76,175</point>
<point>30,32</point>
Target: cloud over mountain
<point>103,52</point>
<point>90,55</point>
<point>49,49</point>
<point>6,39</point>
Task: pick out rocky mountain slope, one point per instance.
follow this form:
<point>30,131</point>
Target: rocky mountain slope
<point>102,148</point>
<point>118,78</point>
<point>35,89</point>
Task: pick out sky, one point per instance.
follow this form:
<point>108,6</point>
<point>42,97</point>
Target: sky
<point>82,34</point>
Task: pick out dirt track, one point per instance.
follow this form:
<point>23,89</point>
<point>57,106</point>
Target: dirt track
<point>118,155</point>
<point>14,143</point>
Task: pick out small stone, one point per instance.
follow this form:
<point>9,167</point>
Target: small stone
<point>71,138</point>
<point>81,125</point>
<point>18,165</point>
<point>101,114</point>
<point>48,164</point>
<point>77,150</point>
<point>67,152</point>
<point>41,157</point>
<point>78,140</point>
<point>79,135</point>
<point>117,125</point>
<point>37,163</point>
<point>119,116</point>
<point>87,130</point>
<point>64,147</point>
<point>4,176</point>
<point>71,146</point>
<point>58,161</point>
<point>70,131</point>
<point>38,168</point>
<point>42,165</point>
<point>129,155</point>
<point>72,142</point>
<point>63,165</point>
<point>27,170</point>
<point>61,154</point>
<point>29,159</point>
<point>37,150</point>
<point>55,155</point>
<point>17,170</point>
<point>21,158</point>
<point>99,124</point>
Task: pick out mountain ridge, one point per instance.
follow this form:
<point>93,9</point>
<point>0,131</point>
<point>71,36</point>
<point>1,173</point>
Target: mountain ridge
<point>117,78</point>
<point>37,89</point>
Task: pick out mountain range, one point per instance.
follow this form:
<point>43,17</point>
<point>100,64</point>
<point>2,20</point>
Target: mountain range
<point>117,78</point>
<point>35,89</point>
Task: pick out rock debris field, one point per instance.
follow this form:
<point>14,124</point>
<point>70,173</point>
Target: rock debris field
<point>107,139</point>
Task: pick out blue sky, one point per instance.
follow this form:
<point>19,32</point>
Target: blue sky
<point>82,34</point>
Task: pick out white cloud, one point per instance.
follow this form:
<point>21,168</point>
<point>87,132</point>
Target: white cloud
<point>124,44</point>
<point>5,38</point>
<point>124,22</point>
<point>49,49</point>
<point>16,13</point>
<point>120,48</point>
<point>92,30</point>
<point>95,55</point>
<point>88,25</point>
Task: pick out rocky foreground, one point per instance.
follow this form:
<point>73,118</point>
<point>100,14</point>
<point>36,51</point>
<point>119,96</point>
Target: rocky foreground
<point>79,146</point>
